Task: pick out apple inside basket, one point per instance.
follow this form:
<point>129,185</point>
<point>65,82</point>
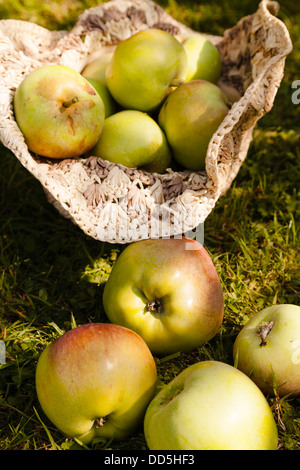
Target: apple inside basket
<point>167,178</point>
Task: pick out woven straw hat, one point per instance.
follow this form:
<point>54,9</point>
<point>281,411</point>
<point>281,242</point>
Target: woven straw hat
<point>116,204</point>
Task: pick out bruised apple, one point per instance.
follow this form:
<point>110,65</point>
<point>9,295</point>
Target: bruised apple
<point>268,349</point>
<point>59,112</point>
<point>190,116</point>
<point>96,381</point>
<point>133,139</point>
<point>210,405</point>
<point>144,67</point>
<point>168,291</point>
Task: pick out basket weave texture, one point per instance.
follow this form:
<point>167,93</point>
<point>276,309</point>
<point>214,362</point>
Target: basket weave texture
<point>115,204</point>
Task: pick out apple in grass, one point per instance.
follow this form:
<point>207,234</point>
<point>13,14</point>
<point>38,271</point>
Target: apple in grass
<point>133,139</point>
<point>144,68</point>
<point>168,291</point>
<point>268,349</point>
<point>59,112</point>
<point>210,405</point>
<point>190,115</point>
<point>96,381</point>
<point>204,59</point>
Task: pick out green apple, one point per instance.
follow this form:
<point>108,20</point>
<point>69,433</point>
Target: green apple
<point>96,381</point>
<point>96,69</point>
<point>95,73</point>
<point>110,105</point>
<point>204,59</point>
<point>190,116</point>
<point>58,111</point>
<point>168,291</point>
<point>268,349</point>
<point>144,68</point>
<point>210,405</point>
<point>133,139</point>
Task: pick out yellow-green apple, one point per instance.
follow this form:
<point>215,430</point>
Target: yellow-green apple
<point>58,111</point>
<point>268,349</point>
<point>97,68</point>
<point>168,291</point>
<point>189,116</point>
<point>210,405</point>
<point>134,139</point>
<point>144,68</point>
<point>204,59</point>
<point>110,106</point>
<point>96,381</point>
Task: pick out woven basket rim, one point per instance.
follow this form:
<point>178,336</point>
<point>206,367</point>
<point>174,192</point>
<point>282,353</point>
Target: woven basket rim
<point>202,189</point>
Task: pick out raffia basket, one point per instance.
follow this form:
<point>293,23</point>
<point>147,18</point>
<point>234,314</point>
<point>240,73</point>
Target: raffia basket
<point>115,204</point>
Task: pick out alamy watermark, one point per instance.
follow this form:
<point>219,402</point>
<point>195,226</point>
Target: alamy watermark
<point>296,93</point>
<point>2,352</point>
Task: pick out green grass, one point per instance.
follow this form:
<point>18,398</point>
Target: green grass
<point>52,275</point>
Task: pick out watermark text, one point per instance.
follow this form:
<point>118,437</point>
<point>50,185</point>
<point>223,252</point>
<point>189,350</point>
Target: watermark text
<point>296,93</point>
<point>2,352</point>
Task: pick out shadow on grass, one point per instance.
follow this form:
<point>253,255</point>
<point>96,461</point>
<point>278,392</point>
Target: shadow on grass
<point>47,263</point>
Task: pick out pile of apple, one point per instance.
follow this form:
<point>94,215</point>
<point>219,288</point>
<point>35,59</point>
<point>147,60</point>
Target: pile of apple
<point>152,103</point>
<point>164,296</point>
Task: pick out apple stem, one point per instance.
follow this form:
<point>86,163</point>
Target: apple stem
<point>176,82</point>
<point>155,306</point>
<point>100,422</point>
<point>71,101</point>
<point>263,330</point>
